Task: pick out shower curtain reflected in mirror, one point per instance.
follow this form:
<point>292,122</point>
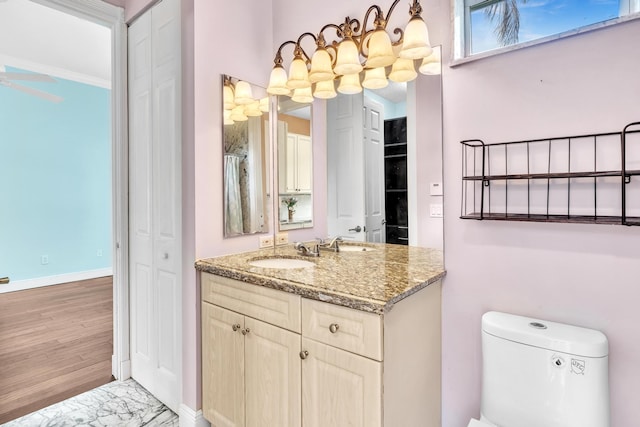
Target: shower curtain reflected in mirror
<point>233,200</point>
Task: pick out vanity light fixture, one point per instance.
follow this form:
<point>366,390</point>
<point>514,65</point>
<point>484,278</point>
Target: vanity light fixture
<point>362,52</point>
<point>431,64</point>
<point>239,103</point>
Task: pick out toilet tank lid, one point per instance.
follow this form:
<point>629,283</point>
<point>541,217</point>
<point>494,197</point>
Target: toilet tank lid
<point>544,334</point>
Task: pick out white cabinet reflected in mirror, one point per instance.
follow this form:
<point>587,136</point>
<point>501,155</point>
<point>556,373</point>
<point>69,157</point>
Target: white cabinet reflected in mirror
<point>247,148</point>
<point>295,165</point>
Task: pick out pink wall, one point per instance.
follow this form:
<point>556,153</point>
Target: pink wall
<point>587,275</point>
<point>219,47</point>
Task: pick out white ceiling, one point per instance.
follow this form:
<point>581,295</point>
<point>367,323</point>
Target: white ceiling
<point>44,40</point>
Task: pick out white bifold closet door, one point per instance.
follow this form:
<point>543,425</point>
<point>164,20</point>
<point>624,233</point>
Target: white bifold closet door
<point>155,258</point>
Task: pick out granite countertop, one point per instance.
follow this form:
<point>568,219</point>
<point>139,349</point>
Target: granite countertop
<point>370,281</point>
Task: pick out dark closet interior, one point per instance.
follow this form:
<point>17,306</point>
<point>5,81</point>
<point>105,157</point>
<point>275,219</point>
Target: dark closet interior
<point>395,172</point>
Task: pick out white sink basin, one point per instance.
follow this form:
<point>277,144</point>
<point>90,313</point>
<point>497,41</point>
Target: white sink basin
<point>281,263</point>
<point>355,248</point>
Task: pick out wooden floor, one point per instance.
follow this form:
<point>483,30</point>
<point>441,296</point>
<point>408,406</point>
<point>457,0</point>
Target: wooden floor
<point>55,342</point>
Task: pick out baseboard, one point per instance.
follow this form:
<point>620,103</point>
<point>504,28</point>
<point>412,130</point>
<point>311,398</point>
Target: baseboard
<point>21,285</point>
<point>125,369</point>
<point>190,418</point>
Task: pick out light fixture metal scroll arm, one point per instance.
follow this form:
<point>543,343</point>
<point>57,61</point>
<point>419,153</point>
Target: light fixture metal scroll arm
<point>321,42</point>
<point>380,22</point>
<point>300,49</point>
<point>277,61</point>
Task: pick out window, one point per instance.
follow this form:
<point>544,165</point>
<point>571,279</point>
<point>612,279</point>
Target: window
<point>483,26</point>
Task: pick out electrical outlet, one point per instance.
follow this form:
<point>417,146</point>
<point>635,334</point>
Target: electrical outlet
<point>266,241</point>
<point>282,239</point>
<point>99,252</point>
<point>44,260</point>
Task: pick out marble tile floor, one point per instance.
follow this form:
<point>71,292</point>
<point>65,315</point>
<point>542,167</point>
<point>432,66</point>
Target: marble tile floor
<point>118,403</point>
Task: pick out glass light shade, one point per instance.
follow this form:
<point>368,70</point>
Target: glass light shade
<point>325,90</point>
<point>227,118</point>
<point>264,104</point>
<point>278,82</point>
<point>320,66</point>
<point>237,114</point>
<point>298,74</point>
<point>403,71</point>
<point>302,95</point>
<point>253,109</point>
<point>380,50</point>
<point>416,40</point>
<point>375,78</point>
<point>350,84</point>
<point>348,61</point>
<point>244,94</point>
<point>431,65</point>
<point>227,97</point>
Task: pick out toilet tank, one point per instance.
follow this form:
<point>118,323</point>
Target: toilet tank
<point>538,373</point>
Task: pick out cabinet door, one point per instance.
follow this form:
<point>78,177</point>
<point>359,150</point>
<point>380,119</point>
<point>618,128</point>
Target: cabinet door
<point>273,384</point>
<point>304,164</point>
<point>340,388</point>
<point>291,184</point>
<point>222,367</point>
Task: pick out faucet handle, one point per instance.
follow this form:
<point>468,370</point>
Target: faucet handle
<point>320,240</point>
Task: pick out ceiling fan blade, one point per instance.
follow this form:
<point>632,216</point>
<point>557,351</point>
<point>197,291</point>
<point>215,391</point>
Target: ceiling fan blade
<point>34,92</point>
<point>28,77</point>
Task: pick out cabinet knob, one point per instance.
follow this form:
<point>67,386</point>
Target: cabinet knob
<point>304,354</point>
<point>334,328</point>
<point>235,327</point>
<point>246,331</point>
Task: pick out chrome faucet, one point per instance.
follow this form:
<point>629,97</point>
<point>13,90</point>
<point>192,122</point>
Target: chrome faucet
<point>330,244</point>
<point>306,251</point>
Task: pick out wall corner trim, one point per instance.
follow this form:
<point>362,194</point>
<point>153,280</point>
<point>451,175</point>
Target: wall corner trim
<point>190,418</point>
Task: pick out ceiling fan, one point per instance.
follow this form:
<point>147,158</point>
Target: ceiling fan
<point>7,80</point>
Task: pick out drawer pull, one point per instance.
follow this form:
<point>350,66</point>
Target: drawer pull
<point>235,327</point>
<point>304,354</point>
<point>246,331</point>
<point>334,328</point>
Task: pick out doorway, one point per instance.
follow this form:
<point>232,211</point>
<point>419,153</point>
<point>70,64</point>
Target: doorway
<point>95,13</point>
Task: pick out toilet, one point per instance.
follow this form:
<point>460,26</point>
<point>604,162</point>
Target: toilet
<point>537,373</point>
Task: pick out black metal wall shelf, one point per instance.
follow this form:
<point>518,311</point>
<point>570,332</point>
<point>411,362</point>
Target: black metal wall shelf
<point>578,179</point>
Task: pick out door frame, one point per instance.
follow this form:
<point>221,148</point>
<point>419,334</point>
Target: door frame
<point>112,17</point>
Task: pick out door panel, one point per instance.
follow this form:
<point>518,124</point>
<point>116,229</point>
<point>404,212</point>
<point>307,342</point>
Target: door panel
<point>222,366</point>
<point>155,201</point>
<point>345,167</point>
<point>340,388</point>
<point>273,383</point>
<point>374,170</point>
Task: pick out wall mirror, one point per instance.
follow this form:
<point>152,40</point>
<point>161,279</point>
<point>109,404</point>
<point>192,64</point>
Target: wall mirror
<point>384,185</point>
<point>295,165</point>
<point>246,145</point>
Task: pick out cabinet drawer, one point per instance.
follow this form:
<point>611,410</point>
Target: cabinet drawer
<point>269,305</point>
<point>352,330</point>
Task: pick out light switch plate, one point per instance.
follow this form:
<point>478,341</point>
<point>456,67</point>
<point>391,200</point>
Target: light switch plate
<point>435,210</point>
<point>435,189</point>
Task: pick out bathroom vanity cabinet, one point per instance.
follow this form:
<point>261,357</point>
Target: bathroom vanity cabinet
<point>285,358</point>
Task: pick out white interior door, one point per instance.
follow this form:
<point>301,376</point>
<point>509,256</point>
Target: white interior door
<point>345,168</point>
<point>374,170</point>
<point>155,201</point>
